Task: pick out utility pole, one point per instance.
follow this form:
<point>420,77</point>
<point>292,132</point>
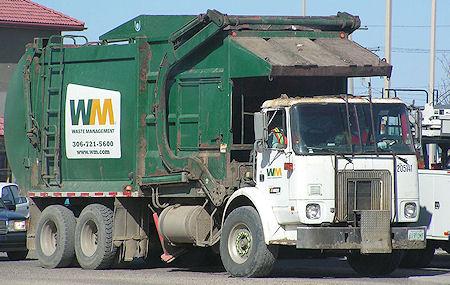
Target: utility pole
<point>432,147</point>
<point>432,51</point>
<point>387,43</point>
<point>303,8</point>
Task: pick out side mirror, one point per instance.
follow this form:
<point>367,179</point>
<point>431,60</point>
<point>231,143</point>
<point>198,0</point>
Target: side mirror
<point>9,205</point>
<point>260,128</point>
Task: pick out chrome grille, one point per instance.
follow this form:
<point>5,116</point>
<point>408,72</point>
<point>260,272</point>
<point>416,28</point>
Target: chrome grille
<point>3,228</point>
<point>362,190</point>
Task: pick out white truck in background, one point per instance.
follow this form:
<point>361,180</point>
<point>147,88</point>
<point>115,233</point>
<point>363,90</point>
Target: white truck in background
<point>432,133</point>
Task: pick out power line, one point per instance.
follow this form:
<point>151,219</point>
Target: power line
<point>406,26</point>
<point>408,50</point>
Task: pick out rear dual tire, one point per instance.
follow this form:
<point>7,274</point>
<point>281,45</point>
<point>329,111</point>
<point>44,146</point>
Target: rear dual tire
<point>55,237</point>
<point>61,241</point>
<point>94,237</point>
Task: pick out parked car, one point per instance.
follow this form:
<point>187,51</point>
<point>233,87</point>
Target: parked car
<point>10,194</point>
<point>13,236</point>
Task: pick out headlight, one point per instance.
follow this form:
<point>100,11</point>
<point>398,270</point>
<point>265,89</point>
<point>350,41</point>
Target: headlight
<point>17,226</point>
<point>410,210</point>
<point>313,211</point>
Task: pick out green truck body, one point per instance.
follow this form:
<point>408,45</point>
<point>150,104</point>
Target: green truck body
<point>207,70</point>
<point>157,119</point>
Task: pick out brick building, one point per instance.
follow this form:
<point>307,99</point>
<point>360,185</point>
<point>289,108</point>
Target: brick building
<point>20,22</point>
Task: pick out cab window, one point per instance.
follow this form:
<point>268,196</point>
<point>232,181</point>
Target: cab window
<point>277,137</point>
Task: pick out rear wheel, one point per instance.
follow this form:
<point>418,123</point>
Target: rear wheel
<point>55,237</point>
<point>93,237</point>
<point>17,255</point>
<point>374,265</point>
<point>242,248</point>
<point>418,258</point>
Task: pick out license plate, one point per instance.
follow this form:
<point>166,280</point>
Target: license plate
<point>416,234</point>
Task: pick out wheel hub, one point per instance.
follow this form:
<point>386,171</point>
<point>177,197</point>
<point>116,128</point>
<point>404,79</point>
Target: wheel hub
<point>240,243</point>
<point>49,238</point>
<point>243,243</point>
<point>89,238</point>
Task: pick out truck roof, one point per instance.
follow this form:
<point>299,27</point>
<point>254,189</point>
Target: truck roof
<point>289,101</point>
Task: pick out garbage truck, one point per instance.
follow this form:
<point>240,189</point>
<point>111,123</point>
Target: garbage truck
<point>233,133</point>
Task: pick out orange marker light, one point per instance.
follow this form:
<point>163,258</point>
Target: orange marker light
<point>446,234</point>
<point>288,166</point>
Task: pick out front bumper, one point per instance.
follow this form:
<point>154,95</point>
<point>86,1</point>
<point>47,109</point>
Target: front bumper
<point>13,241</point>
<point>351,238</point>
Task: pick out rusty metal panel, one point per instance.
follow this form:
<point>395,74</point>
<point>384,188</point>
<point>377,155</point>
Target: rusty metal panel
<point>381,191</point>
<point>296,56</point>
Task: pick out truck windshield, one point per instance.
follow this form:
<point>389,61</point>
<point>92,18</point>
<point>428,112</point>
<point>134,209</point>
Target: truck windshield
<point>330,128</point>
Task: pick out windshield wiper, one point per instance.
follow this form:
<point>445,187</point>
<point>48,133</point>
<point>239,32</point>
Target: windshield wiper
<point>394,154</point>
<point>404,160</point>
<point>330,150</point>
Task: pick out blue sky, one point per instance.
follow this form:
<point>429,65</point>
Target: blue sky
<point>411,21</point>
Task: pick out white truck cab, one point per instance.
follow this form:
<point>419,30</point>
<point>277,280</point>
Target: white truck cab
<point>337,173</point>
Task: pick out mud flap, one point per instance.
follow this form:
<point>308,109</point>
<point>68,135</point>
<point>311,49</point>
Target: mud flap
<point>375,231</point>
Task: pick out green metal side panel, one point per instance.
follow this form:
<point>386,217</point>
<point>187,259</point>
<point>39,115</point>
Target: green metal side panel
<point>111,68</point>
<point>16,142</point>
<point>244,63</point>
<point>154,28</point>
<point>215,125</point>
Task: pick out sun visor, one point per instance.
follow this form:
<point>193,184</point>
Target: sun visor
<point>295,56</point>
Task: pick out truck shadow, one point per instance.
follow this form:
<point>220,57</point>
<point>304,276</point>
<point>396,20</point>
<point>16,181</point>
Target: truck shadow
<point>331,268</point>
<point>338,268</point>
<point>6,259</point>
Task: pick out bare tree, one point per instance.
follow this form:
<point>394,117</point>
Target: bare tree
<point>444,90</point>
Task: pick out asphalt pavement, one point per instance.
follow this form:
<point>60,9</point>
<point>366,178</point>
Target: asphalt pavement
<point>303,271</point>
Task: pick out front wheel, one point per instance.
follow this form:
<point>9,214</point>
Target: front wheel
<point>242,248</point>
<point>375,265</point>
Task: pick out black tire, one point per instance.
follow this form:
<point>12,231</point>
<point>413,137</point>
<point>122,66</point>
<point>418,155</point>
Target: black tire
<point>375,265</point>
<point>55,237</point>
<point>94,237</point>
<point>418,258</point>
<point>250,257</point>
<point>446,246</point>
<point>17,255</point>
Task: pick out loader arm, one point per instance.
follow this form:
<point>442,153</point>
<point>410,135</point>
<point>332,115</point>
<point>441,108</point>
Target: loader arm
<point>184,42</point>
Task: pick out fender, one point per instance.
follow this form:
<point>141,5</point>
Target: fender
<point>264,208</point>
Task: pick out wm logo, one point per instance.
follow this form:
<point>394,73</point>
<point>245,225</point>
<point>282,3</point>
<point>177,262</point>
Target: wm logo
<point>91,112</point>
<point>273,172</point>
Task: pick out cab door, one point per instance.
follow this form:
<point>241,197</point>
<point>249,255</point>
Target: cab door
<point>272,177</point>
